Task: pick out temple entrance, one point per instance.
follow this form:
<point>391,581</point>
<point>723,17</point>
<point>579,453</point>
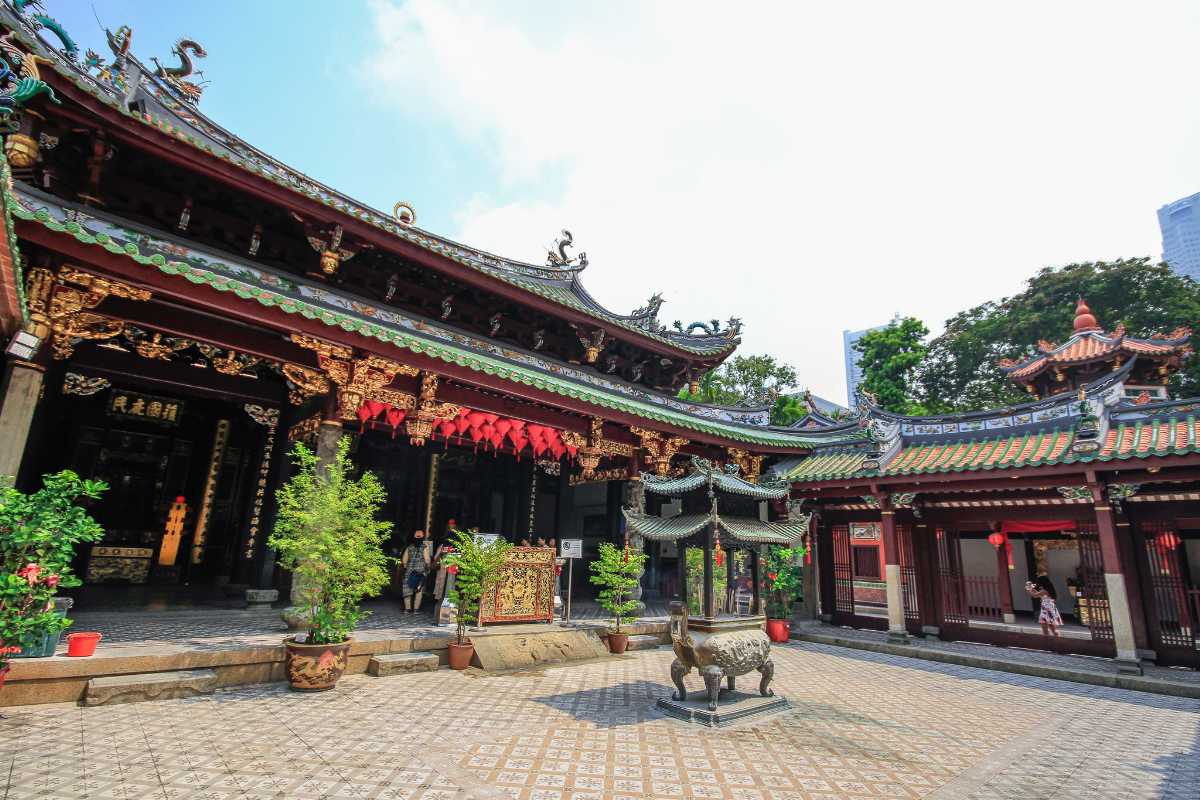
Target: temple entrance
<point>180,472</point>
<point>1173,611</point>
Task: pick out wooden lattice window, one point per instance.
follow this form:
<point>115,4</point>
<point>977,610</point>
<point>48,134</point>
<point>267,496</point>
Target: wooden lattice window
<point>866,563</point>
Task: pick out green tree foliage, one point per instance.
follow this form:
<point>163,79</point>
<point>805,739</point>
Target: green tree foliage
<point>784,579</point>
<point>38,535</point>
<point>474,563</point>
<point>616,572</point>
<point>327,535</point>
<point>960,372</point>
<point>752,381</point>
<point>788,410</point>
<point>889,358</point>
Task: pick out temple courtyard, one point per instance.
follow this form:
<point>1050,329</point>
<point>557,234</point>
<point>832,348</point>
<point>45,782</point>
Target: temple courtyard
<point>861,725</point>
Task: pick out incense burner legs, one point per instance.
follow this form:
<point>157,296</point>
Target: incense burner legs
<point>719,649</point>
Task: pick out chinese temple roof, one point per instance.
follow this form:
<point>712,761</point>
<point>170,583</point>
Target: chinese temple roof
<point>1089,344</point>
<point>1030,438</point>
<point>705,473</point>
<point>255,283</point>
<point>160,100</point>
<point>743,529</point>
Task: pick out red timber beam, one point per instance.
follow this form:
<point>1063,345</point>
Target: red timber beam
<point>197,301</point>
<point>171,149</point>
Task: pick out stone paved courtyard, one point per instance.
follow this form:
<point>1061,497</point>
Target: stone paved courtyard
<point>862,725</point>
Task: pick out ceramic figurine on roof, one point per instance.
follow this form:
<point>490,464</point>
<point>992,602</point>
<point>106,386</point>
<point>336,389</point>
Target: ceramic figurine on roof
<point>174,76</point>
<point>20,81</point>
<point>558,257</point>
<point>1090,352</point>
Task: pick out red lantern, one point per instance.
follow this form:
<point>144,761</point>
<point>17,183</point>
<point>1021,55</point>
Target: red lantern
<point>996,539</point>
<point>395,416</point>
<point>1169,539</point>
<point>452,569</point>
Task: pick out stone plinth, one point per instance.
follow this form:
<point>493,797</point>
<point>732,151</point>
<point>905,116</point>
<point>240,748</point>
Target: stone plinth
<point>644,641</point>
<point>261,598</point>
<point>734,707</point>
<point>401,664</point>
<point>501,650</point>
<point>149,686</point>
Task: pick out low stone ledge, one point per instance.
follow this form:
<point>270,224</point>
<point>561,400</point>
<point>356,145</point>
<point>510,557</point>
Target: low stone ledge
<point>1137,683</point>
<point>643,641</point>
<point>402,664</point>
<point>149,686</point>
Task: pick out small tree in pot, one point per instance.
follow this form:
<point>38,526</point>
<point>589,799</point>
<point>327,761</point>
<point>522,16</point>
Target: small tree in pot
<point>38,535</point>
<point>474,563</point>
<point>327,535</point>
<point>784,582</point>
<point>616,572</point>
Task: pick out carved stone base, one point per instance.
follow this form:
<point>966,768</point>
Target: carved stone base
<point>735,706</point>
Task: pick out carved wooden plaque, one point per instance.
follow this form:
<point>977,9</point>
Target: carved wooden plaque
<point>524,589</point>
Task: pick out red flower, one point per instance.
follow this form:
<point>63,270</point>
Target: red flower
<point>30,573</point>
<point>772,575</point>
<point>452,569</point>
<point>52,581</point>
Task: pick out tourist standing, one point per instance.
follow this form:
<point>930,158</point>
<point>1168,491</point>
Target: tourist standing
<point>1048,617</point>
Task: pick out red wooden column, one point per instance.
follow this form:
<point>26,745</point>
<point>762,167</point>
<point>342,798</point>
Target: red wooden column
<point>1000,542</point>
<point>1114,580</point>
<point>891,556</point>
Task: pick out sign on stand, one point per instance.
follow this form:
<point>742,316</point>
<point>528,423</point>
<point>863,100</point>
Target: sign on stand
<point>571,549</point>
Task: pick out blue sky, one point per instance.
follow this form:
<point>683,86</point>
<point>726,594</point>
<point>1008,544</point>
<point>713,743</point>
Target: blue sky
<point>808,167</point>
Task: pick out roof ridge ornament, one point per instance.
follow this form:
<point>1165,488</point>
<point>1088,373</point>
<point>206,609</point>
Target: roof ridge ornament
<point>1084,319</point>
<point>558,257</point>
<point>174,76</point>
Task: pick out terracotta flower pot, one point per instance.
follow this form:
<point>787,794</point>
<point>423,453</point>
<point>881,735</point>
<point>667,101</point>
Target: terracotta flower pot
<point>617,642</point>
<point>315,667</point>
<point>460,655</point>
<point>779,630</point>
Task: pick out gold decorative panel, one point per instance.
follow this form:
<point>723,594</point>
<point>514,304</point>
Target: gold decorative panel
<point>524,588</point>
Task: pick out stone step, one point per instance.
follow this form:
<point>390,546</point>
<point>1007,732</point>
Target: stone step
<point>400,663</point>
<point>644,641</point>
<point>149,686</point>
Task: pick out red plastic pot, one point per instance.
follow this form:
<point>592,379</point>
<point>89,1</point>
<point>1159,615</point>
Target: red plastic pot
<point>779,630</point>
<point>82,644</point>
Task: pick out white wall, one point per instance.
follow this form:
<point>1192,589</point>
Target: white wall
<point>1018,575</point>
<point>978,558</point>
<point>1193,557</point>
<point>1062,564</point>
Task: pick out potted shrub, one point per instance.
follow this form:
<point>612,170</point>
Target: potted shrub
<point>326,533</point>
<point>38,535</point>
<point>616,572</point>
<point>783,583</point>
<point>473,563</point>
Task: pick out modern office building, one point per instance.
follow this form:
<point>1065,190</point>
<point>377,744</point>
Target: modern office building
<point>854,374</point>
<point>1180,226</point>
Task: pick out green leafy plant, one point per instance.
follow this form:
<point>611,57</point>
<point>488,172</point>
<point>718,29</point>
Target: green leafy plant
<point>38,535</point>
<point>326,533</point>
<point>784,579</point>
<point>616,572</point>
<point>474,564</point>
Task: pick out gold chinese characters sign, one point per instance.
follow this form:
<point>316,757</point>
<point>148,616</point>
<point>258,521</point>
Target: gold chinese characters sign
<point>524,588</point>
<point>155,409</point>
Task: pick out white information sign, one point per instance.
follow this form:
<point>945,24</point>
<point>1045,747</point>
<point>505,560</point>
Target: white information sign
<point>572,548</point>
<point>486,539</point>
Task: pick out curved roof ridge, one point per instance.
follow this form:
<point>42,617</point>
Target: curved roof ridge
<point>185,122</point>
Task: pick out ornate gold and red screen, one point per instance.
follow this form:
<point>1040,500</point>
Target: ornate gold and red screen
<point>523,590</point>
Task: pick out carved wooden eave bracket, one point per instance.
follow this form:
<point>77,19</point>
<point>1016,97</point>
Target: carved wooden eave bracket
<point>357,379</point>
<point>592,341</point>
<point>330,247</point>
<point>60,307</point>
<point>595,446</point>
<point>658,448</point>
<point>751,465</point>
<point>419,426</point>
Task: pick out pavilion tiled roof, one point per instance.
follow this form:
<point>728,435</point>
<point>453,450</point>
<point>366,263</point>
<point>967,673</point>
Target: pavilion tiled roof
<point>1089,343</point>
<point>1171,434</point>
